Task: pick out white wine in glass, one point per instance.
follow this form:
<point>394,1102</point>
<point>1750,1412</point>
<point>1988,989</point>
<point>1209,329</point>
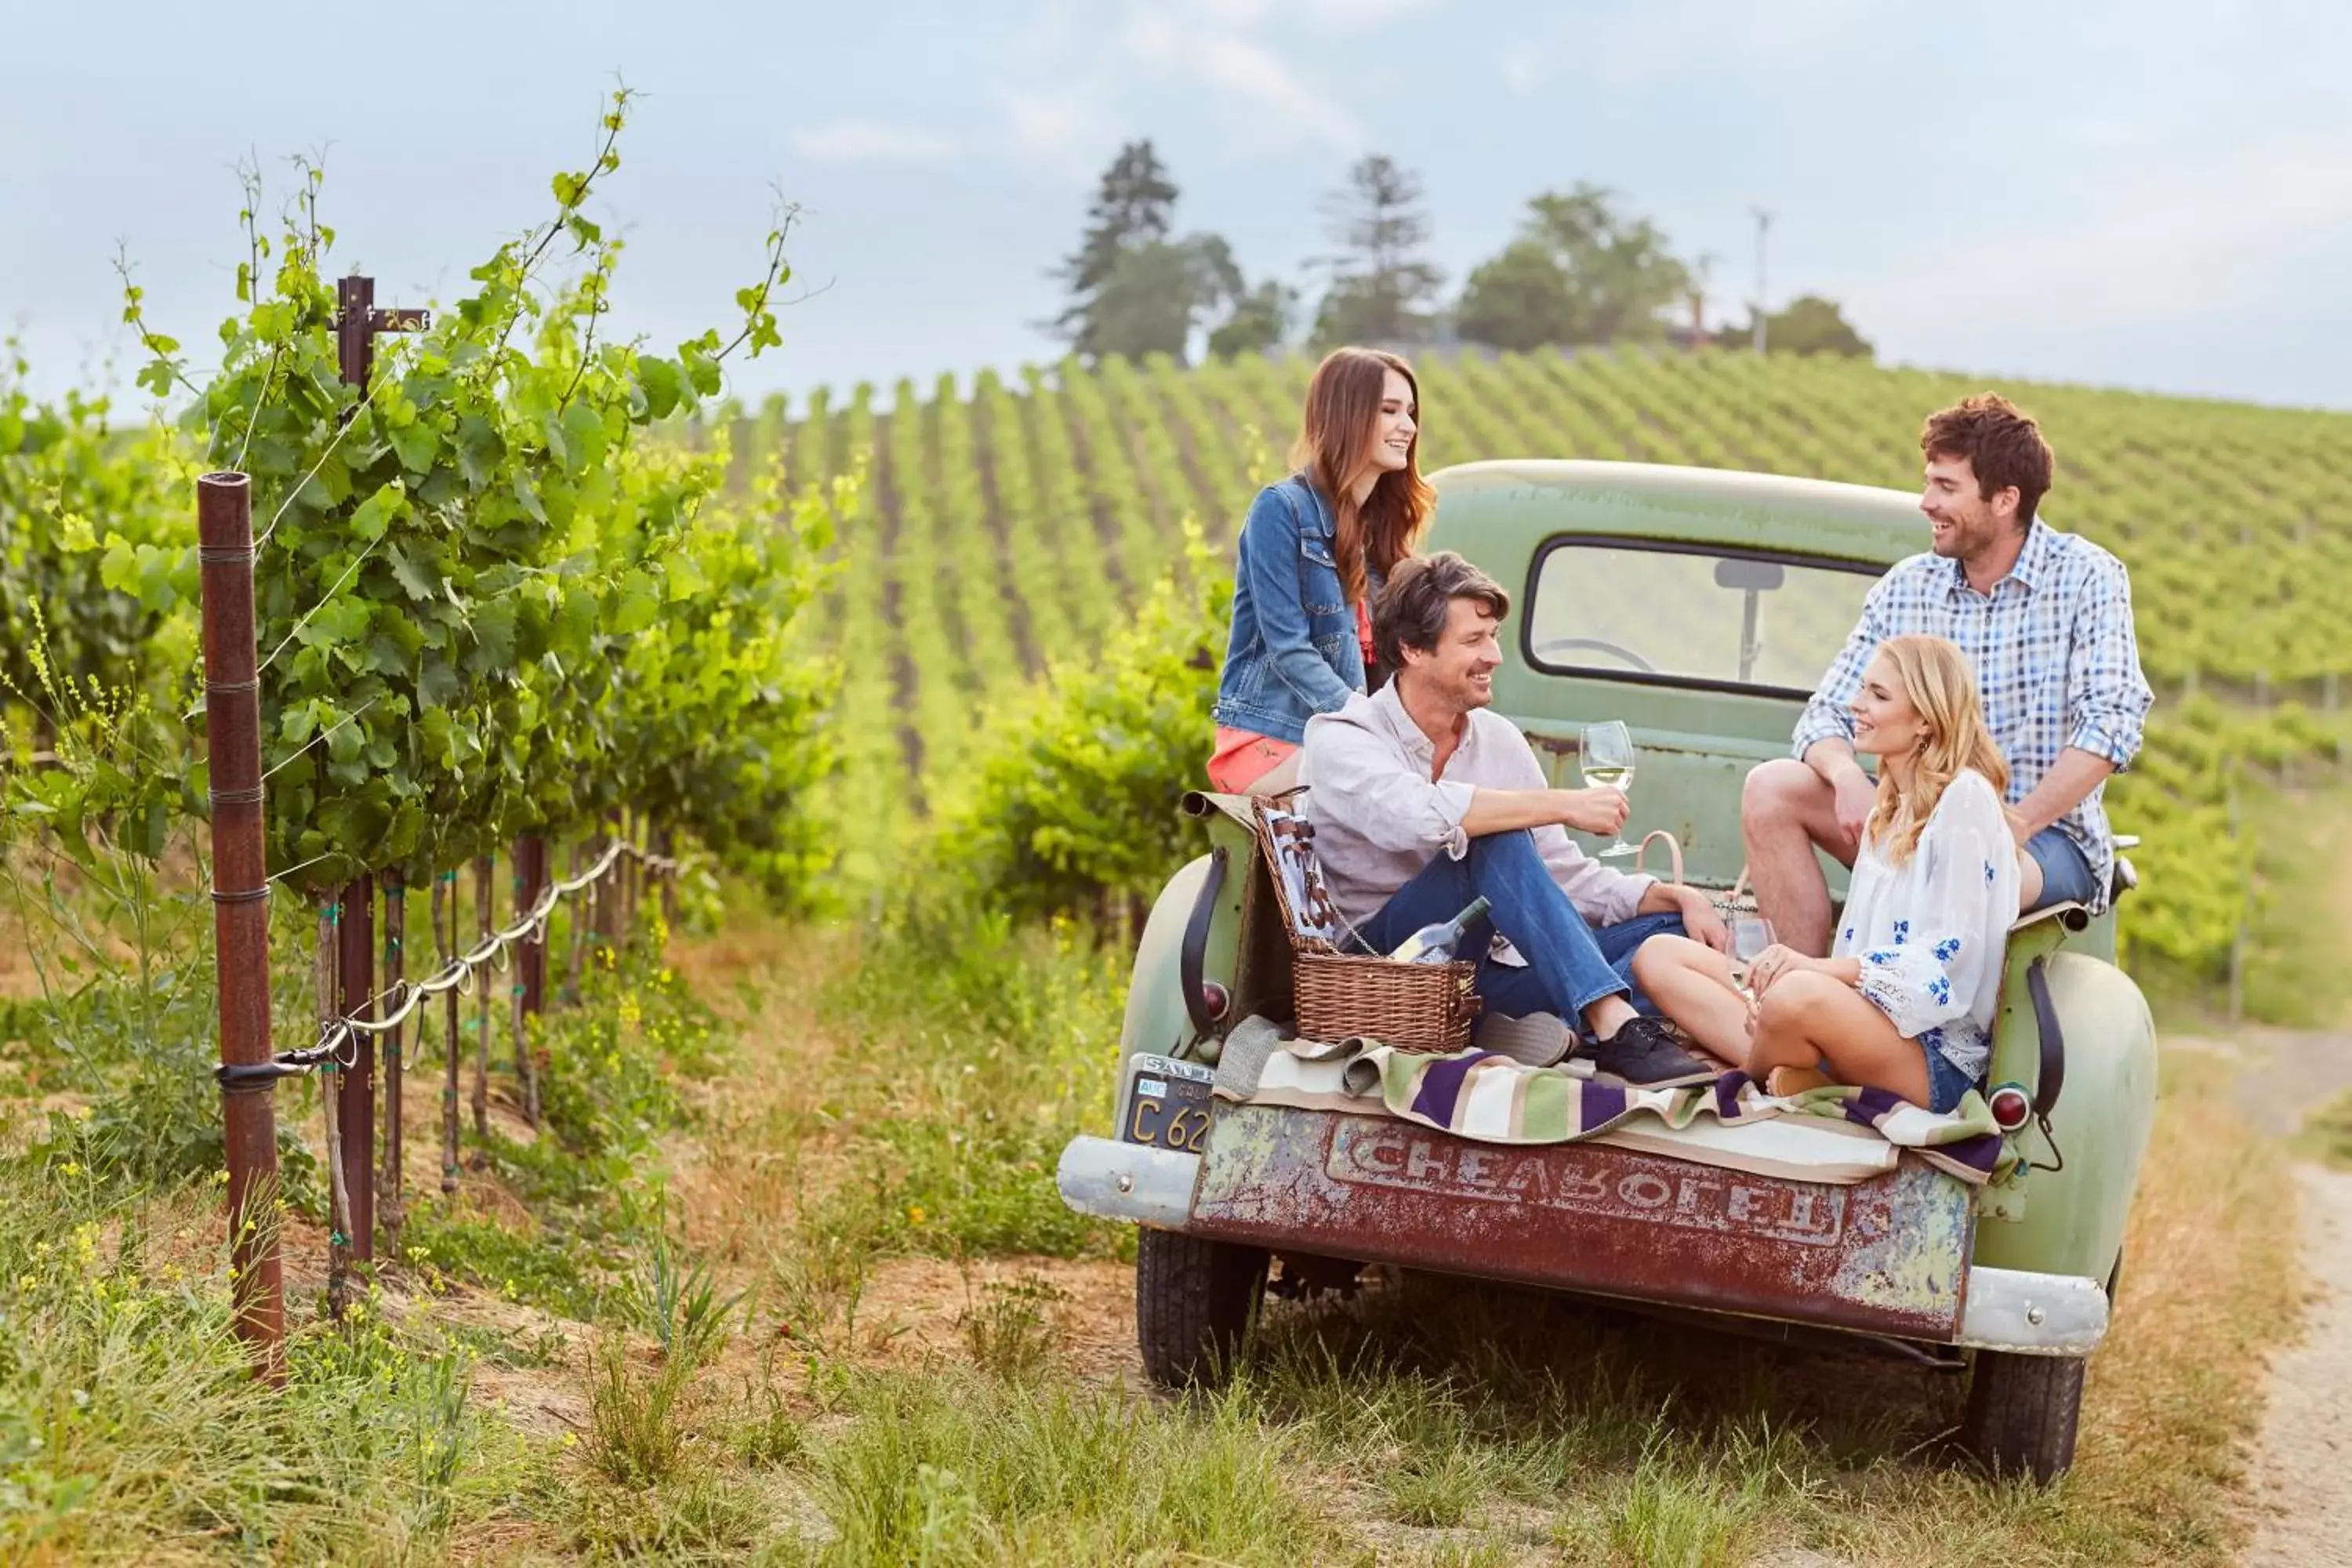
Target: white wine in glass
<point>1750,935</point>
<point>1608,759</point>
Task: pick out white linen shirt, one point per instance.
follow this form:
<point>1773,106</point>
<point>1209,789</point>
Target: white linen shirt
<point>1931,934</point>
<point>1380,816</point>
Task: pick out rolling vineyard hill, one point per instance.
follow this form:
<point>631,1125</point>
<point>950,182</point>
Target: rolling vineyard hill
<point>1004,526</point>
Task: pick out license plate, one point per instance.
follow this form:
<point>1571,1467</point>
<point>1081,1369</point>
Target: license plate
<point>1168,1104</point>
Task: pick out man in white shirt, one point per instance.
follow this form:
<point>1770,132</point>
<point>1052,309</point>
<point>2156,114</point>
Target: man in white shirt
<point>1422,801</point>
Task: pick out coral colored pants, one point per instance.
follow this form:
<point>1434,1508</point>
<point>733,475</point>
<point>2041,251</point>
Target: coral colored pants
<point>1244,759</point>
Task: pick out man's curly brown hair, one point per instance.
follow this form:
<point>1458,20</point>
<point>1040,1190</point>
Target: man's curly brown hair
<point>2001,443</point>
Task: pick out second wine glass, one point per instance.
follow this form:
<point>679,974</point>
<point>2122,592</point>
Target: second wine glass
<point>1608,758</point>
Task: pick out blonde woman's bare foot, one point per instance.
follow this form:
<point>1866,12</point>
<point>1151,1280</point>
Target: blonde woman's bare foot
<point>1783,1081</point>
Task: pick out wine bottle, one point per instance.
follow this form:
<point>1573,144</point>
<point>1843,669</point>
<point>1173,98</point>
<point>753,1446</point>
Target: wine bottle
<point>1435,943</point>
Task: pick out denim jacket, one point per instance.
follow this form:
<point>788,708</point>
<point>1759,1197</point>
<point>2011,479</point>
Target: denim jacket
<point>1293,653</point>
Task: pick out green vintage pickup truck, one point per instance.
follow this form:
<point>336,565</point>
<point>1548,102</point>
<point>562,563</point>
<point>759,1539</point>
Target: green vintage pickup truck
<point>1700,607</point>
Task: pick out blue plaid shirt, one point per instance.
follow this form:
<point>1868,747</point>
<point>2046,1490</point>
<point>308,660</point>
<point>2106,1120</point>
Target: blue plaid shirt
<point>2054,656</point>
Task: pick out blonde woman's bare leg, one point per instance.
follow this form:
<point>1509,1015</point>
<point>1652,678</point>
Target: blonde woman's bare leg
<point>1691,983</point>
<point>1806,1020</point>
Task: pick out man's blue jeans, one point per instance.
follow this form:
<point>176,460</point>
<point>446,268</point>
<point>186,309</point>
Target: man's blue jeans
<point>1571,965</point>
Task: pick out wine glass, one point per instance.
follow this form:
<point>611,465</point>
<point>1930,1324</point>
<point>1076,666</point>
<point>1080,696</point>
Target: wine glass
<point>1608,758</point>
<point>1750,935</point>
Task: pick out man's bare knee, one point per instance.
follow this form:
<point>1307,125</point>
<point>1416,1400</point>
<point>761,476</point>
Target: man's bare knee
<point>1781,795</point>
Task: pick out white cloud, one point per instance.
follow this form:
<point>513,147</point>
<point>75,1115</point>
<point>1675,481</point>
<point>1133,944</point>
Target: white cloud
<point>2186,242</point>
<point>871,141</point>
<point>1521,72</point>
<point>1656,40</point>
<point>1268,101</point>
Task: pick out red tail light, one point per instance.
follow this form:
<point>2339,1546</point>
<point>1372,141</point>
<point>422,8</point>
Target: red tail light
<point>2010,1106</point>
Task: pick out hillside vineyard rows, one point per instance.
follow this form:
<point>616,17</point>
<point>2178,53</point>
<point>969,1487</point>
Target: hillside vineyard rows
<point>1004,528</point>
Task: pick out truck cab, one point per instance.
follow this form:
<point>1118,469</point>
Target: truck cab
<point>1700,607</point>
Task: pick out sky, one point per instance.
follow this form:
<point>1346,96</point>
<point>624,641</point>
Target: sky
<point>2154,193</point>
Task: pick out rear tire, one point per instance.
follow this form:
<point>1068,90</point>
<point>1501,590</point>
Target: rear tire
<point>1194,1299</point>
<point>2021,1414</point>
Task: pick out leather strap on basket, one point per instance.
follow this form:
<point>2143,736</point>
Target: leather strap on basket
<point>1673,849</point>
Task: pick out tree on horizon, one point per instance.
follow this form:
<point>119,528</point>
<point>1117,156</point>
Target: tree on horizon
<point>1133,290</point>
<point>1578,271</point>
<point>1381,290</point>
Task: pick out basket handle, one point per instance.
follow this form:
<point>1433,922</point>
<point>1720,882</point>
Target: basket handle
<point>1673,849</point>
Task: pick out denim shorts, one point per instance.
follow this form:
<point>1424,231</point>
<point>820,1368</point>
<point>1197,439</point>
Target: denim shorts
<point>1946,1082</point>
<point>2066,873</point>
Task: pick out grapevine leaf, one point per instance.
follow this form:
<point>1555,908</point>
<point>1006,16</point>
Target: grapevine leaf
<point>417,579</point>
<point>639,603</point>
<point>417,444</point>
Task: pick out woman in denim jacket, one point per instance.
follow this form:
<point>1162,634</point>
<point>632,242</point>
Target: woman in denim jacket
<point>1314,551</point>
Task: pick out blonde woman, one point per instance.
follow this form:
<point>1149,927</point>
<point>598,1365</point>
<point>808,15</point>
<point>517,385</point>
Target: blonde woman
<point>1905,1001</point>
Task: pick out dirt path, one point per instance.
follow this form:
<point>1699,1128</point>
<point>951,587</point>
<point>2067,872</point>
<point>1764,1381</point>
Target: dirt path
<point>2303,1470</point>
<point>2303,1457</point>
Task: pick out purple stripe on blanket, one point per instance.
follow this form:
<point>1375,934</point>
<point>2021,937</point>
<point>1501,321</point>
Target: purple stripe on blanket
<point>1441,1086</point>
<point>1727,1094</point>
<point>1598,1104</point>
<point>1981,1153</point>
<point>1869,1104</point>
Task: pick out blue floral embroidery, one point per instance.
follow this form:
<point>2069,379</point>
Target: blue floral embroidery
<point>1902,932</point>
<point>1849,934</point>
<point>1932,1038</point>
<point>1947,948</point>
<point>1880,957</point>
<point>1988,873</point>
<point>1941,989</point>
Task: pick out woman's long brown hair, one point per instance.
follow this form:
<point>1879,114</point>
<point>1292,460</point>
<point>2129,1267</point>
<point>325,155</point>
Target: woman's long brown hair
<point>1935,677</point>
<point>1336,438</point>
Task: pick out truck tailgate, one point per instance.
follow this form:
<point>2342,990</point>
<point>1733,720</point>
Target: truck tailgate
<point>1888,1254</point>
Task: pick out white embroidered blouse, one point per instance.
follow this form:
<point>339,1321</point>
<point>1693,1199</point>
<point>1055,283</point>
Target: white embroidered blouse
<point>1931,933</point>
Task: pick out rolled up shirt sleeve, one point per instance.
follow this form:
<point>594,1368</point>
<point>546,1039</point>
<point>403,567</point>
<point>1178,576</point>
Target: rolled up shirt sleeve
<point>1829,714</point>
<point>1355,779</point>
<point>1603,894</point>
<point>2108,698</point>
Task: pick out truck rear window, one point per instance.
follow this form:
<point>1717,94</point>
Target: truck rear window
<point>1689,614</point>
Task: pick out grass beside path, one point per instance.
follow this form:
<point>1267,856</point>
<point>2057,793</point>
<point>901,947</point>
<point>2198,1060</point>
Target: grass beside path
<point>790,1284</point>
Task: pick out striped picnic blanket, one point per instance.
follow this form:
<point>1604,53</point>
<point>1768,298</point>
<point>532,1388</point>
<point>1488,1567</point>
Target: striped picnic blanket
<point>1837,1133</point>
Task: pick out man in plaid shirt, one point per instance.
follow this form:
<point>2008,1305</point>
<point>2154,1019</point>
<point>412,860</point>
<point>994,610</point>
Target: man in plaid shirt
<point>2045,620</point>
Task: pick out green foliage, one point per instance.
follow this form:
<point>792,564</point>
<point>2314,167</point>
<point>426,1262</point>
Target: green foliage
<point>1073,795</point>
<point>1577,272</point>
<point>96,553</point>
<point>487,604</point>
<point>1810,325</point>
<point>1260,321</point>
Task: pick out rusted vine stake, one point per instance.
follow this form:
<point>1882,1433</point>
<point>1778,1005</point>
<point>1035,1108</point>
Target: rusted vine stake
<point>388,1175</point>
<point>445,942</point>
<point>339,1204</point>
<point>530,967</point>
<point>241,911</point>
<point>482,872</point>
<point>577,920</point>
<point>356,1083</point>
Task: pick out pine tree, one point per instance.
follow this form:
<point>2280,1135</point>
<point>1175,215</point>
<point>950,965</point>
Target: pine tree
<point>1134,208</point>
<point>1380,290</point>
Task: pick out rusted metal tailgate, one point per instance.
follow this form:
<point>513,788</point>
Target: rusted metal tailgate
<point>1889,1255</point>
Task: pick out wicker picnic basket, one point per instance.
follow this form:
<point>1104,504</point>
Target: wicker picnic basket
<point>1409,1007</point>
